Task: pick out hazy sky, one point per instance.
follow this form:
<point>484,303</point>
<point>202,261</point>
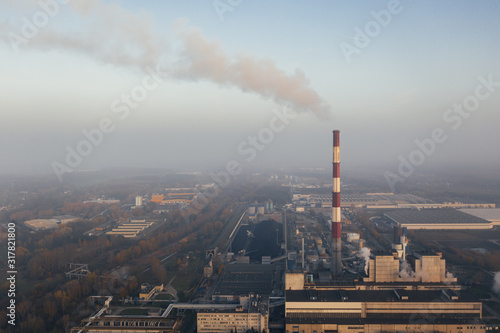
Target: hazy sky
<point>386,73</point>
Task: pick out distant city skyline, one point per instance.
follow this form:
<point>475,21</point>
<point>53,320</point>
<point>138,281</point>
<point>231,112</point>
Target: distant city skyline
<point>197,84</point>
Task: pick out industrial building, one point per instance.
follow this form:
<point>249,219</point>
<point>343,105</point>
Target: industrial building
<point>394,310</point>
<point>244,279</point>
<point>488,214</point>
<point>437,219</point>
<point>425,270</point>
<point>379,201</point>
<point>400,292</point>
<point>130,229</point>
<point>419,297</point>
<point>260,211</point>
<point>251,314</point>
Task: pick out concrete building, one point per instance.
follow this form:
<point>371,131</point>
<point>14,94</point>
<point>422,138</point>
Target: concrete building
<point>138,201</point>
<point>395,310</point>
<point>421,298</point>
<point>252,313</point>
<point>422,268</point>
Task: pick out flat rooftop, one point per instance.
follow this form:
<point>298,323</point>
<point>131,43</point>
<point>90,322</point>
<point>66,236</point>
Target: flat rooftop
<point>383,321</point>
<point>489,214</point>
<point>433,216</point>
<point>390,295</point>
<point>243,279</point>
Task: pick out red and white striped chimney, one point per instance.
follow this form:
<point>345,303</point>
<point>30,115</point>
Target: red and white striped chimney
<point>336,262</point>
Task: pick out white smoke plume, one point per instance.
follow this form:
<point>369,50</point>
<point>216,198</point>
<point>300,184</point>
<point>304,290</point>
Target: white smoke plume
<point>204,59</point>
<point>103,31</point>
<point>365,254</point>
<point>111,34</point>
<point>496,283</point>
<point>405,270</point>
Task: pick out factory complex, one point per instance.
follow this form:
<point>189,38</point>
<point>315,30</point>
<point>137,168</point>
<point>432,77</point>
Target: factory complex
<point>320,280</point>
<point>400,291</point>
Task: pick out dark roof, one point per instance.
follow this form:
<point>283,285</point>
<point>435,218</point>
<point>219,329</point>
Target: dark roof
<point>391,295</point>
<point>432,216</point>
<point>393,321</point>
<point>242,279</point>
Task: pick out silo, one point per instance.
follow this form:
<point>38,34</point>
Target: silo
<point>251,210</point>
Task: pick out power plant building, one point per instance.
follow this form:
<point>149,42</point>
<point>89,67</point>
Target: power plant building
<point>400,292</point>
<point>395,310</point>
<point>423,299</point>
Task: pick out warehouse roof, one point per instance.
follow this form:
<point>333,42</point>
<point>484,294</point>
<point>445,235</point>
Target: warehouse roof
<point>490,214</point>
<point>433,216</point>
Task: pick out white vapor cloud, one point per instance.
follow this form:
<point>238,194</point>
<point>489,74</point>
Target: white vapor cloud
<point>111,34</point>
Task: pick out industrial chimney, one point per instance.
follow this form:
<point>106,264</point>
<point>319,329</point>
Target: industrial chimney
<point>336,262</point>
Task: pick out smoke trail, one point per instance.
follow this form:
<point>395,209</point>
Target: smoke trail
<point>496,283</point>
<point>365,254</point>
<point>105,32</point>
<point>113,35</point>
<point>203,59</point>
